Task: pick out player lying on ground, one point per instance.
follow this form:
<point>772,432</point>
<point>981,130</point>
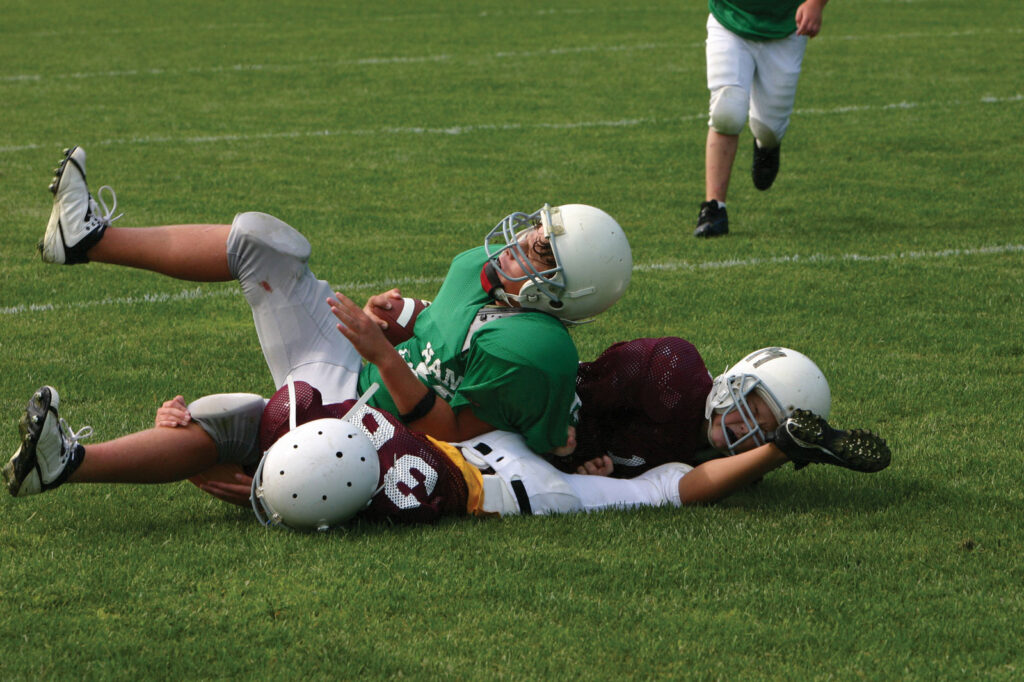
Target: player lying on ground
<point>327,463</point>
<point>462,374</point>
<point>650,401</point>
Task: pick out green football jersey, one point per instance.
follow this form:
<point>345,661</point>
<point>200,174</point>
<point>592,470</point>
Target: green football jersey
<point>756,19</point>
<point>518,372</point>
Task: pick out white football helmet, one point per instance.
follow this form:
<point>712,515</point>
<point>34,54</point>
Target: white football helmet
<point>786,379</point>
<point>593,261</point>
<point>315,476</point>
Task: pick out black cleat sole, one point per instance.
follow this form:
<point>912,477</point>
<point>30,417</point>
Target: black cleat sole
<point>30,426</point>
<point>858,449</point>
<point>58,172</point>
<point>863,451</point>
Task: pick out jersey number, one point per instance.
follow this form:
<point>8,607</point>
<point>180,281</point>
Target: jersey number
<point>408,473</point>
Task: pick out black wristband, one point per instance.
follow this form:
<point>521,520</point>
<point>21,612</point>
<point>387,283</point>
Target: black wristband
<point>423,407</point>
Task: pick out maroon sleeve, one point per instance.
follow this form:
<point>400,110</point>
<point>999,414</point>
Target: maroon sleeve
<point>642,403</point>
<point>418,483</point>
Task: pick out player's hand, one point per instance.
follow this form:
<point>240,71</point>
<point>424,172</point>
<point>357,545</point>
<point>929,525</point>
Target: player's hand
<point>381,301</point>
<point>173,413</point>
<point>808,18</point>
<point>356,326</point>
<point>227,482</point>
<point>569,447</point>
<point>599,466</point>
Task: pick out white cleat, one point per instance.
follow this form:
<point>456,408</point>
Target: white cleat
<point>49,450</point>
<point>75,222</point>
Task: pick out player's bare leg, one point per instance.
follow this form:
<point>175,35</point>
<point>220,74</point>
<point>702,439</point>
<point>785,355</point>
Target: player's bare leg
<point>192,252</point>
<point>79,230</point>
<point>157,455</point>
<point>52,454</point>
<point>719,155</point>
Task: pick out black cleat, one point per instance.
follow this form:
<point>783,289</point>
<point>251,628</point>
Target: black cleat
<point>713,220</point>
<point>49,450</point>
<point>806,438</point>
<point>765,167</point>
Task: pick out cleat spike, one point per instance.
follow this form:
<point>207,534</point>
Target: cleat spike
<point>806,438</point>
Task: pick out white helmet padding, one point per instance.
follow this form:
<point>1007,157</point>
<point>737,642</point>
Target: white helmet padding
<point>786,379</point>
<point>593,261</point>
<point>316,476</point>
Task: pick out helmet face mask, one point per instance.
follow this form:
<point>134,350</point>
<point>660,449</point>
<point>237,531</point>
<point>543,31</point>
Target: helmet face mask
<point>592,260</point>
<point>739,387</point>
<point>509,234</point>
<point>785,379</point>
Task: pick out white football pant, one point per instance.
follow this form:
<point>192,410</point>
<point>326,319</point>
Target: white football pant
<point>296,328</point>
<point>755,76</point>
<point>530,485</point>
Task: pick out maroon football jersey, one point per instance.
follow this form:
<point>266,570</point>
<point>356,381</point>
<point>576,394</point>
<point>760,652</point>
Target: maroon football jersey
<point>418,482</point>
<point>643,404</point>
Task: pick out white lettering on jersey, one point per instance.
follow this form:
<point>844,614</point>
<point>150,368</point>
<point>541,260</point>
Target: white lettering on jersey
<point>376,428</point>
<point>411,471</point>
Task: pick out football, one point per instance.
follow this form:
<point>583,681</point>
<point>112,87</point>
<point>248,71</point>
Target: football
<point>401,318</point>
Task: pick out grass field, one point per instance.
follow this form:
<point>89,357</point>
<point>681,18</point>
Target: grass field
<point>394,135</point>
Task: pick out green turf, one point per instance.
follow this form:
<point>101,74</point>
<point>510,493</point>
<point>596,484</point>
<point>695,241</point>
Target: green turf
<point>396,134</point>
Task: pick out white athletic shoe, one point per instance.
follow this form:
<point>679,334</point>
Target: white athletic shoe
<point>75,222</point>
<point>49,450</point>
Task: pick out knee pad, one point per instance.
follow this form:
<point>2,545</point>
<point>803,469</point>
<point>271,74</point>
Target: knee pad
<point>767,137</point>
<point>232,420</point>
<point>728,112</point>
<point>266,231</point>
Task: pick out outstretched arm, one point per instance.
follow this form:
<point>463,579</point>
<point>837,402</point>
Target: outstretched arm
<point>718,478</point>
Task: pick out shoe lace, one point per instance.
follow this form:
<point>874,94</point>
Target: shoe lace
<point>106,218</point>
<point>72,437</point>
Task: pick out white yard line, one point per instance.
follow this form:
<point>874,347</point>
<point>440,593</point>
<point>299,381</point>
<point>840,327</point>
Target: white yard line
<point>456,129</point>
<point>198,293</point>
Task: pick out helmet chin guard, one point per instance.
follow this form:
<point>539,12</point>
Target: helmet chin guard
<point>786,379</point>
<point>593,261</point>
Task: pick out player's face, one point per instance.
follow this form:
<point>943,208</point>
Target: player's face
<point>533,246</point>
<point>733,421</point>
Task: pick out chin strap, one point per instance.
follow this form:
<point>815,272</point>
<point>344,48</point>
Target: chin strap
<point>490,282</point>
